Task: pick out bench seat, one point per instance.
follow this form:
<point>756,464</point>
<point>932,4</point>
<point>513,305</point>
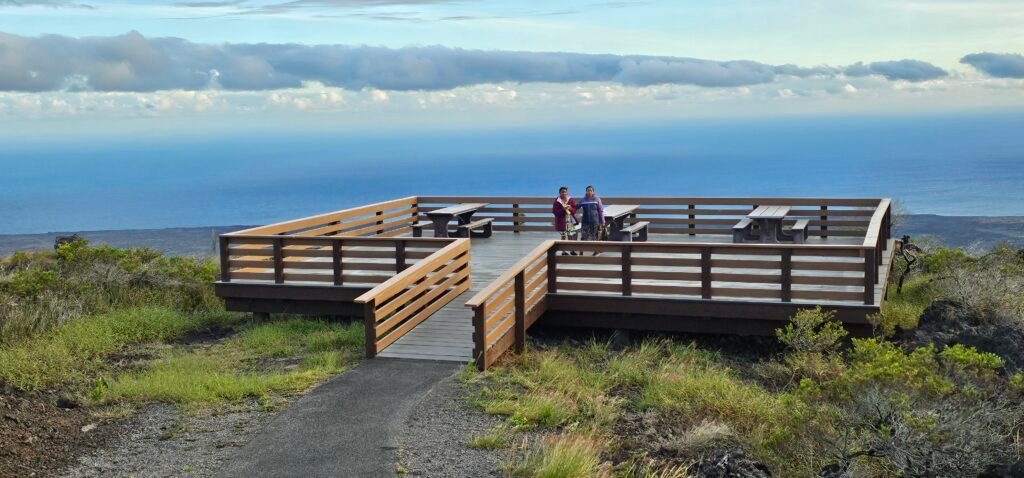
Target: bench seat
<point>742,230</point>
<point>799,231</point>
<point>639,228</point>
<point>417,228</point>
<point>467,230</point>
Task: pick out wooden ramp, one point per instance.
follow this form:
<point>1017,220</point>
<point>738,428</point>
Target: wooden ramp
<point>448,334</point>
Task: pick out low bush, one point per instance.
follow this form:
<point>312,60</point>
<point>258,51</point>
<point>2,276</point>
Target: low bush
<point>40,290</point>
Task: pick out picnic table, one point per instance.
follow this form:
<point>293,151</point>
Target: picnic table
<point>768,220</point>
<point>614,217</point>
<point>463,213</point>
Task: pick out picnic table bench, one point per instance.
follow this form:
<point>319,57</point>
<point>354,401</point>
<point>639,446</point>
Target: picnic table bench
<point>463,213</point>
<point>768,220</point>
<point>615,216</point>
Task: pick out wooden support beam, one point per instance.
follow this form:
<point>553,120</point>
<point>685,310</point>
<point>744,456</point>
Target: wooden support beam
<point>399,256</point>
<point>787,275</point>
<point>692,226</point>
<point>520,312</point>
<point>279,260</point>
<point>370,328</point>
<point>553,270</point>
<point>705,272</point>
<point>225,259</point>
<point>336,264</point>
<point>824,217</point>
<point>479,348</point>
<point>870,269</point>
<point>627,270</point>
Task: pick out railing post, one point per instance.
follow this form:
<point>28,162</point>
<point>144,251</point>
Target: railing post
<point>787,275</point>
<point>693,217</point>
<point>705,272</point>
<point>370,328</point>
<point>380,222</point>
<point>480,337</point>
<point>520,312</point>
<point>553,269</point>
<point>824,217</point>
<point>870,269</point>
<point>279,260</point>
<point>515,218</point>
<point>399,256</point>
<point>627,269</point>
<point>225,259</point>
<point>336,262</point>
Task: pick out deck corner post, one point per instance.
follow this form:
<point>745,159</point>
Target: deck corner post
<point>479,337</point>
<point>553,269</point>
<point>627,269</point>
<point>336,262</point>
<point>787,275</point>
<point>370,328</point>
<point>870,268</point>
<point>279,260</point>
<point>520,312</point>
<point>225,259</point>
<point>705,272</point>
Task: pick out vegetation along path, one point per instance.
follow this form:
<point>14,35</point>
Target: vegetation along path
<point>348,426</point>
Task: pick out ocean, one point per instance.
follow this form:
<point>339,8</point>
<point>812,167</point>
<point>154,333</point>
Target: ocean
<point>967,164</point>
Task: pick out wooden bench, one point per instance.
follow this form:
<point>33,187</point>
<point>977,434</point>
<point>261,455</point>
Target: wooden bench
<point>466,230</point>
<point>799,231</point>
<point>417,228</point>
<point>742,230</point>
<point>640,229</point>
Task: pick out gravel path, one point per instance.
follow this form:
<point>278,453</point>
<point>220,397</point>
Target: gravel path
<point>437,433</point>
<point>161,441</point>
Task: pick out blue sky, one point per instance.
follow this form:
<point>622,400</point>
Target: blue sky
<point>87,65</point>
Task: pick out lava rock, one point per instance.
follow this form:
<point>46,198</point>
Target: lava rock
<point>949,323</point>
<point>732,463</point>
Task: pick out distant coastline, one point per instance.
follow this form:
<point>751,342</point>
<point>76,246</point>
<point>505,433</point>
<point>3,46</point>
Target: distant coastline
<point>957,231</point>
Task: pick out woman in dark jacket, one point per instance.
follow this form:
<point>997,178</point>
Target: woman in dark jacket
<point>592,217</point>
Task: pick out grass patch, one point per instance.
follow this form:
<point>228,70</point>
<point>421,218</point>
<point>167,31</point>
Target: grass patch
<point>563,456</point>
<point>494,438</point>
<point>242,366</point>
<point>74,352</point>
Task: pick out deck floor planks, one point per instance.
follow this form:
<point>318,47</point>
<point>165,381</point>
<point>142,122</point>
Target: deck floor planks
<point>454,322</point>
<point>448,334</point>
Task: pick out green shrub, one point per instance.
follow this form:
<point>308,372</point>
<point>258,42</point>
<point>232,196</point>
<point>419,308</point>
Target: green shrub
<point>812,330</point>
<point>41,290</point>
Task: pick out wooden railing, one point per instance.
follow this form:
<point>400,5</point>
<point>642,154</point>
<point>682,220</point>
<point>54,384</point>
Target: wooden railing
<point>509,305</point>
<point>784,273</point>
<point>693,216</point>
<point>383,219</point>
<point>402,302</point>
<point>325,260</point>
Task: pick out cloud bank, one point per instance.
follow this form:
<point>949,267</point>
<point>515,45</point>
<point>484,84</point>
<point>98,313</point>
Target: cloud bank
<point>999,65</point>
<point>132,62</point>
